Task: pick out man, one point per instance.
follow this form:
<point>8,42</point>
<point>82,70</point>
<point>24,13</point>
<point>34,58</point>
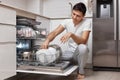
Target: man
<point>78,29</point>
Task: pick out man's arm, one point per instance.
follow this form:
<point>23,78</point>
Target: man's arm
<point>52,35</point>
<point>79,40</point>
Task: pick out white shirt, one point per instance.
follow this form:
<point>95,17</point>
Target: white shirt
<point>84,25</point>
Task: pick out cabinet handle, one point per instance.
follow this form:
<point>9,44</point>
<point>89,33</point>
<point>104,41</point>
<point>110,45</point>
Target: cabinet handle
<point>119,19</point>
<point>115,19</point>
<point>70,7</point>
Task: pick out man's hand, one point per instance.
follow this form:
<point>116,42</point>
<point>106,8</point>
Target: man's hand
<point>66,37</point>
<point>45,44</point>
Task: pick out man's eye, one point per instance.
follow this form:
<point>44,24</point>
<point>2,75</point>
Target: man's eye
<point>78,16</point>
<point>73,14</point>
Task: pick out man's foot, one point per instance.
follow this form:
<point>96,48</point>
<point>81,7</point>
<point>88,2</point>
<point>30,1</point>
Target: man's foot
<point>80,76</point>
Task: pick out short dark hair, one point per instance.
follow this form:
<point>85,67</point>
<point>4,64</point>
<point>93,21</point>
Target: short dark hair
<point>81,7</point>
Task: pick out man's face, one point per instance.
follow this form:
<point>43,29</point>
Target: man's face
<point>77,16</point>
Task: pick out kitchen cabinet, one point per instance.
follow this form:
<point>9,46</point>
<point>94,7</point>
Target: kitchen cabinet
<point>8,45</point>
<point>62,8</point>
<point>7,42</point>
<point>56,9</point>
<point>7,16</point>
<point>33,6</point>
<point>48,8</point>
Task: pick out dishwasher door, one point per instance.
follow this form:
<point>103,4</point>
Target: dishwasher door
<point>61,69</point>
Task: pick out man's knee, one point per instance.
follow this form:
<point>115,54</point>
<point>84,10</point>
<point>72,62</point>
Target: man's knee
<point>83,49</point>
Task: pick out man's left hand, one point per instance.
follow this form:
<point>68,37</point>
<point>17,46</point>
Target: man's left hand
<point>65,37</point>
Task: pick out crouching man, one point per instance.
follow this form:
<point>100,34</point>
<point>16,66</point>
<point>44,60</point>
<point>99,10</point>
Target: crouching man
<point>77,33</point>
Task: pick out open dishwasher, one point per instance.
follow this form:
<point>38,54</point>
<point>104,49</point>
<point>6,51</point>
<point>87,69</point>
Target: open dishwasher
<point>62,68</point>
<point>27,61</point>
<point>30,62</point>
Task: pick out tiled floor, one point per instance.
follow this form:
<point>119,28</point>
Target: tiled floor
<point>90,75</point>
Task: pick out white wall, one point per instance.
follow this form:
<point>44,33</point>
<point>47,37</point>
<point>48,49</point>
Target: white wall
<point>54,24</point>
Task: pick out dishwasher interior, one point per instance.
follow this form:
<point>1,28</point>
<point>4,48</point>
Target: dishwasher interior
<point>27,33</point>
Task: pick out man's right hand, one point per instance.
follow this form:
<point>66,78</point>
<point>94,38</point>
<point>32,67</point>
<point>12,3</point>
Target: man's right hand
<point>45,44</point>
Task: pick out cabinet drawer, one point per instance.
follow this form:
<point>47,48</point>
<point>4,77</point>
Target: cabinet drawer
<point>7,60</point>
<point>7,16</point>
<point>7,33</point>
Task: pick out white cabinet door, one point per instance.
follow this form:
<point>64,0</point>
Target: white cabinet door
<point>63,8</point>
<point>56,8</point>
<point>7,33</point>
<point>7,51</point>
<point>7,16</point>
<point>7,60</point>
<point>34,6</point>
<point>7,43</point>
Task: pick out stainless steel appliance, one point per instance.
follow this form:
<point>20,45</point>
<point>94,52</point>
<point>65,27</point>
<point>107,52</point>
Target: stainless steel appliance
<point>106,35</point>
